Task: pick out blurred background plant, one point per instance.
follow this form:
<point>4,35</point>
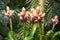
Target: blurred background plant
<point>52,8</point>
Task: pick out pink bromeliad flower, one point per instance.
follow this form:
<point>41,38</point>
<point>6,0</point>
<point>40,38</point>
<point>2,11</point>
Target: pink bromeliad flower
<point>23,15</point>
<point>36,15</point>
<point>55,20</point>
<point>9,12</point>
<point>33,16</point>
<point>41,16</point>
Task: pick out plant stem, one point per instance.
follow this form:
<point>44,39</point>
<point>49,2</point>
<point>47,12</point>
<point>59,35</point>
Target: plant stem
<point>40,32</point>
<point>11,28</point>
<point>23,30</point>
<point>53,26</point>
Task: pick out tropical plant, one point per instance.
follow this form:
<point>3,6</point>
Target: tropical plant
<point>30,24</point>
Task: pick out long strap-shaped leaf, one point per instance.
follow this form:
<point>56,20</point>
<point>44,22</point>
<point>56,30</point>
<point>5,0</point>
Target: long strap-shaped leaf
<point>32,32</point>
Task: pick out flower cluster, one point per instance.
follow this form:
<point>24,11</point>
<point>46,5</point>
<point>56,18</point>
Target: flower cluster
<point>55,20</point>
<point>9,12</point>
<point>23,15</point>
<point>34,15</point>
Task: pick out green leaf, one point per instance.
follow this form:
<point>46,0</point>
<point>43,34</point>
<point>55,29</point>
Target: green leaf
<point>10,36</point>
<point>32,32</point>
<point>34,29</point>
<point>49,35</point>
<point>28,38</point>
<point>49,32</point>
<point>56,36</point>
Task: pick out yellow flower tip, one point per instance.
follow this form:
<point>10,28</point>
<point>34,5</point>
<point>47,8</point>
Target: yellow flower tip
<point>19,14</point>
<point>8,11</point>
<point>40,13</point>
<point>28,12</point>
<point>26,15</point>
<point>23,9</point>
<point>56,22</point>
<point>31,15</point>
<point>21,18</point>
<point>7,8</point>
<point>38,17</point>
<point>32,9</point>
<point>34,13</point>
<point>38,7</point>
<point>35,20</point>
<point>12,11</point>
<point>52,19</point>
<point>43,14</point>
<point>56,17</point>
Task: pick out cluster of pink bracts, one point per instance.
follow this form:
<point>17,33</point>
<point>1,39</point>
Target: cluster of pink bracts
<point>55,20</point>
<point>34,15</point>
<point>9,12</point>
